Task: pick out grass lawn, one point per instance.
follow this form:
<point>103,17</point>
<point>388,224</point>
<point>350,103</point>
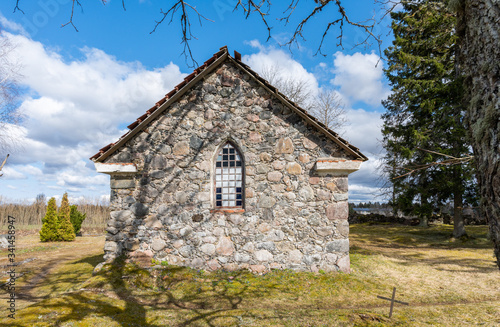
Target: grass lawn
<point>447,282</point>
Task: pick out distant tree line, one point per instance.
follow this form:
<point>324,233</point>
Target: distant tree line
<point>29,215</point>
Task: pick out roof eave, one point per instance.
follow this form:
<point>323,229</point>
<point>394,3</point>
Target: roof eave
<point>303,113</point>
<point>161,108</point>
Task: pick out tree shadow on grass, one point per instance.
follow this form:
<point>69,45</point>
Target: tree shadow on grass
<point>405,237</point>
<point>129,295</point>
<point>409,246</point>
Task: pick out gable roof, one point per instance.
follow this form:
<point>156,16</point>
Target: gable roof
<point>189,81</point>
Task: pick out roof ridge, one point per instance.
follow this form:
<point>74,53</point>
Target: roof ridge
<point>223,51</point>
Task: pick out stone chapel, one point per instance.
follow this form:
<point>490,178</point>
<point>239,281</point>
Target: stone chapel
<point>225,172</point>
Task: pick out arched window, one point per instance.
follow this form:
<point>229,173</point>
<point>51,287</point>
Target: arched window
<point>229,183</point>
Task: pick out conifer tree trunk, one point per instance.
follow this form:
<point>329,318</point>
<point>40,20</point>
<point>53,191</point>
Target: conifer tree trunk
<point>478,28</point>
<point>458,219</point>
<point>424,218</point>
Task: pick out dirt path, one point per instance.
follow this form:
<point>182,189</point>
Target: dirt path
<point>48,258</point>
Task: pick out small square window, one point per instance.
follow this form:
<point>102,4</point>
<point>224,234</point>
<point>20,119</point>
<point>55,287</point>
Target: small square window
<point>225,164</point>
<point>218,190</point>
<point>224,151</point>
<point>238,163</point>
<point>231,163</point>
<point>225,157</point>
<point>238,190</point>
<point>218,203</point>
<point>218,164</point>
<point>238,196</point>
<point>238,203</point>
<point>219,197</point>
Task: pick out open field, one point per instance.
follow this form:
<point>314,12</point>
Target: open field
<point>447,283</point>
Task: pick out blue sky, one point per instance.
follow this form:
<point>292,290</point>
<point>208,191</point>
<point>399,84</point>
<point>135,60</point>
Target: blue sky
<point>83,88</point>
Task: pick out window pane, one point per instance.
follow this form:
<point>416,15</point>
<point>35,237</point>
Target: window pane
<point>228,180</point>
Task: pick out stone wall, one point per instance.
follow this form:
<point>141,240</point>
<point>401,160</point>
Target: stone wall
<point>292,218</point>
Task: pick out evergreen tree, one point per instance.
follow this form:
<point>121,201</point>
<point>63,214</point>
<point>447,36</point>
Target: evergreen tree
<point>76,218</point>
<point>66,230</point>
<point>50,227</point>
<point>424,112</point>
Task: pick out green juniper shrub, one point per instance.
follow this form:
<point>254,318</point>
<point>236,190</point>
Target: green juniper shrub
<point>50,227</point>
<point>66,230</point>
<point>76,218</point>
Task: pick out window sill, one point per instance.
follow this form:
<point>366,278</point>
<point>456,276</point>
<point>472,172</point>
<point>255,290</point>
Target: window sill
<point>228,210</point>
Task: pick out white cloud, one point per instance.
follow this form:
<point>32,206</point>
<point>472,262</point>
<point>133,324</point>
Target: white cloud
<point>359,77</point>
<point>74,108</point>
<point>11,26</point>
<point>288,68</point>
<point>364,130</point>
<point>11,173</point>
<point>31,170</point>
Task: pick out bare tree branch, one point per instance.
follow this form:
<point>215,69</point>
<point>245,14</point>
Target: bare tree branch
<point>262,9</point>
<point>187,35</point>
<point>344,18</point>
<point>447,162</point>
<point>250,6</point>
<point>70,22</point>
<point>16,8</point>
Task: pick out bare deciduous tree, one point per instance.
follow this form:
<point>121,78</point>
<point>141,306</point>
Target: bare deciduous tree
<point>9,93</point>
<point>296,89</point>
<point>327,105</point>
<point>329,109</point>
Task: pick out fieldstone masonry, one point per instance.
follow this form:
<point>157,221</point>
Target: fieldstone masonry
<point>294,215</point>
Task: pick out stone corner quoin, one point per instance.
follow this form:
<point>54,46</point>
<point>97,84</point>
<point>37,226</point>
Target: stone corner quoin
<point>162,184</point>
